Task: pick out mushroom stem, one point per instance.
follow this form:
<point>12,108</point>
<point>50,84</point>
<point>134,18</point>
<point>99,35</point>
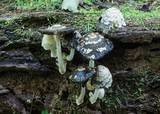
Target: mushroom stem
<point>93,97</point>
<point>89,85</point>
<point>71,55</point>
<point>53,53</point>
<point>80,99</point>
<point>61,64</point>
<point>91,63</point>
<point>101,93</point>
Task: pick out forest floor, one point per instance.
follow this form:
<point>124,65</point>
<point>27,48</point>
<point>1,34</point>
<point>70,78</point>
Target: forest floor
<point>130,93</point>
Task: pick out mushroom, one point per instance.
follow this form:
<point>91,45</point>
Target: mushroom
<point>81,75</point>
<point>104,80</point>
<point>111,19</point>
<point>51,41</point>
<point>104,76</point>
<point>71,5</point>
<point>92,46</point>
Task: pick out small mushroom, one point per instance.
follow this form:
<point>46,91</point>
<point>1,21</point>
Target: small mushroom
<point>81,75</point>
<point>71,5</point>
<point>111,19</point>
<point>51,41</point>
<point>104,80</point>
<point>92,46</point>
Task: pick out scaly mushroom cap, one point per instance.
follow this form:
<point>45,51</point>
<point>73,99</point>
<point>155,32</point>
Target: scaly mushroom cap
<point>112,18</point>
<point>104,76</point>
<point>81,75</point>
<point>93,45</point>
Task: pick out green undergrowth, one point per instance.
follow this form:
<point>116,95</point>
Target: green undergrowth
<point>144,19</point>
<point>86,19</point>
<point>133,92</point>
<point>129,11</point>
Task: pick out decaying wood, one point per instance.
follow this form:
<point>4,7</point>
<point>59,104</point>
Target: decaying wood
<point>130,36</point>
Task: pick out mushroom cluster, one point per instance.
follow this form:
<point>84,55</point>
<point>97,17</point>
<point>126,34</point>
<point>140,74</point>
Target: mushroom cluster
<point>111,19</point>
<point>52,41</point>
<point>92,46</point>
<point>102,79</point>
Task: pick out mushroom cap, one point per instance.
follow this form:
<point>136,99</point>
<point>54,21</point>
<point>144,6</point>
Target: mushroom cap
<point>71,5</point>
<point>48,42</point>
<point>92,45</point>
<point>110,19</point>
<point>81,75</point>
<point>104,76</point>
<point>56,29</point>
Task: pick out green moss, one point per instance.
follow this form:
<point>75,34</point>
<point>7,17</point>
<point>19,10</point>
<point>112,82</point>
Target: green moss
<point>7,23</point>
<point>26,33</point>
<point>144,19</point>
<point>38,4</point>
<point>86,19</point>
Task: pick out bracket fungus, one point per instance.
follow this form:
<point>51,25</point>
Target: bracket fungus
<point>71,5</point>
<point>92,46</point>
<point>81,75</point>
<point>104,80</point>
<point>51,41</point>
<point>111,19</point>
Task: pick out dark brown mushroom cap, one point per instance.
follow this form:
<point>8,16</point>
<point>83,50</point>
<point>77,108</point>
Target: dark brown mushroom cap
<point>93,45</point>
<point>56,29</point>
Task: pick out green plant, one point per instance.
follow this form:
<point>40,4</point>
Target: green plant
<point>45,111</point>
<point>138,17</point>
